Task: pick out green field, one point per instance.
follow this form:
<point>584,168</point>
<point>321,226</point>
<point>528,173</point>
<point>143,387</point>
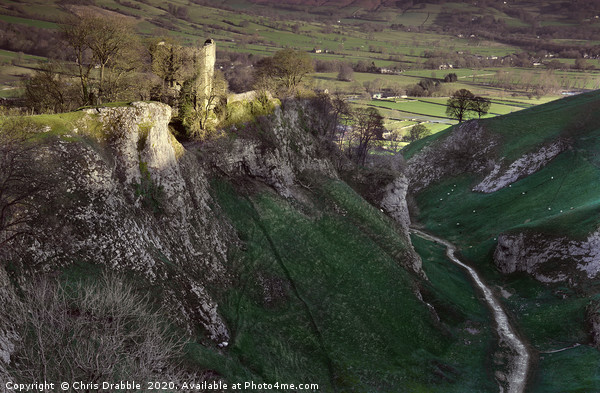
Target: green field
<point>347,41</point>
<point>28,22</point>
<point>13,68</point>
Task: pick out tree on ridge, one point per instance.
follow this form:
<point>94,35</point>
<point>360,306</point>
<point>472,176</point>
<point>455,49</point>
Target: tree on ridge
<point>462,102</point>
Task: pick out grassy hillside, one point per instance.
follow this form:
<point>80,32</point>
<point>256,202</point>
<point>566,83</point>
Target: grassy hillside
<point>564,183</point>
<point>259,29</point>
<point>320,297</point>
<point>560,199</point>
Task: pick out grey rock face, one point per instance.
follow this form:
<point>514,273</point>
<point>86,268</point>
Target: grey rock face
<point>594,324</point>
<point>394,201</point>
<point>134,206</point>
<point>470,149</point>
<point>549,258</point>
<point>292,152</point>
<point>528,164</point>
<point>134,200</point>
<point>466,150</point>
<point>394,204</point>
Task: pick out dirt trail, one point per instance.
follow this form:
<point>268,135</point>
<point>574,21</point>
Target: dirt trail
<point>517,375</point>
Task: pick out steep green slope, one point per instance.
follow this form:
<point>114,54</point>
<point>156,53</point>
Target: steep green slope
<point>321,298</point>
<point>562,199</point>
<point>555,198</point>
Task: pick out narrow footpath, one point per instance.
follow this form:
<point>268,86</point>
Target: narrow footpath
<point>517,375</point>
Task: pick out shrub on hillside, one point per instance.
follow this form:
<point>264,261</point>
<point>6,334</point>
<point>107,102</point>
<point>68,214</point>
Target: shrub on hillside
<point>346,73</point>
<point>417,132</point>
<point>21,183</point>
<point>92,332</point>
<point>451,77</point>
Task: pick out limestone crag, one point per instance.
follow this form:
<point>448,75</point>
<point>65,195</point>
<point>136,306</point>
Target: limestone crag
<point>279,161</point>
<point>593,318</point>
<point>127,196</point>
<point>394,201</point>
<point>131,205</point>
<point>501,176</point>
<point>468,149</point>
<point>394,204</point>
<point>549,258</point>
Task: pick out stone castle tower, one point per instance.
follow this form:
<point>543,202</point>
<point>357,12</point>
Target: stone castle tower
<point>208,57</point>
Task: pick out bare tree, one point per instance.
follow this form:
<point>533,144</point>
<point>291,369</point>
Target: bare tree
<point>346,73</point>
<point>108,38</point>
<point>417,132</point>
<point>397,90</point>
<point>481,105</point>
<point>172,63</point>
<point>49,90</point>
<point>367,127</point>
<point>394,141</point>
<point>76,34</point>
<point>97,40</point>
<point>199,104</point>
<point>20,183</point>
<point>331,111</point>
<point>287,68</point>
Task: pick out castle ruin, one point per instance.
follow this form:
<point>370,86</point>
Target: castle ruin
<point>177,65</point>
<point>206,60</point>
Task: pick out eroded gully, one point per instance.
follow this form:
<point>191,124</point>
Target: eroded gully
<point>516,377</point>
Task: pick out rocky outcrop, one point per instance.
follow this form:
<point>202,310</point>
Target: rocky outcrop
<point>394,204</point>
<point>129,203</point>
<point>127,196</point>
<point>468,149</point>
<point>277,162</point>
<point>549,258</point>
<point>501,176</point>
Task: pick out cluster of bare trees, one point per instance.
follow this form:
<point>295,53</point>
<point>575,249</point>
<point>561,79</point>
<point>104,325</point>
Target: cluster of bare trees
<point>106,58</point>
<point>30,39</point>
<point>354,131</point>
<point>284,72</point>
<point>103,43</point>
